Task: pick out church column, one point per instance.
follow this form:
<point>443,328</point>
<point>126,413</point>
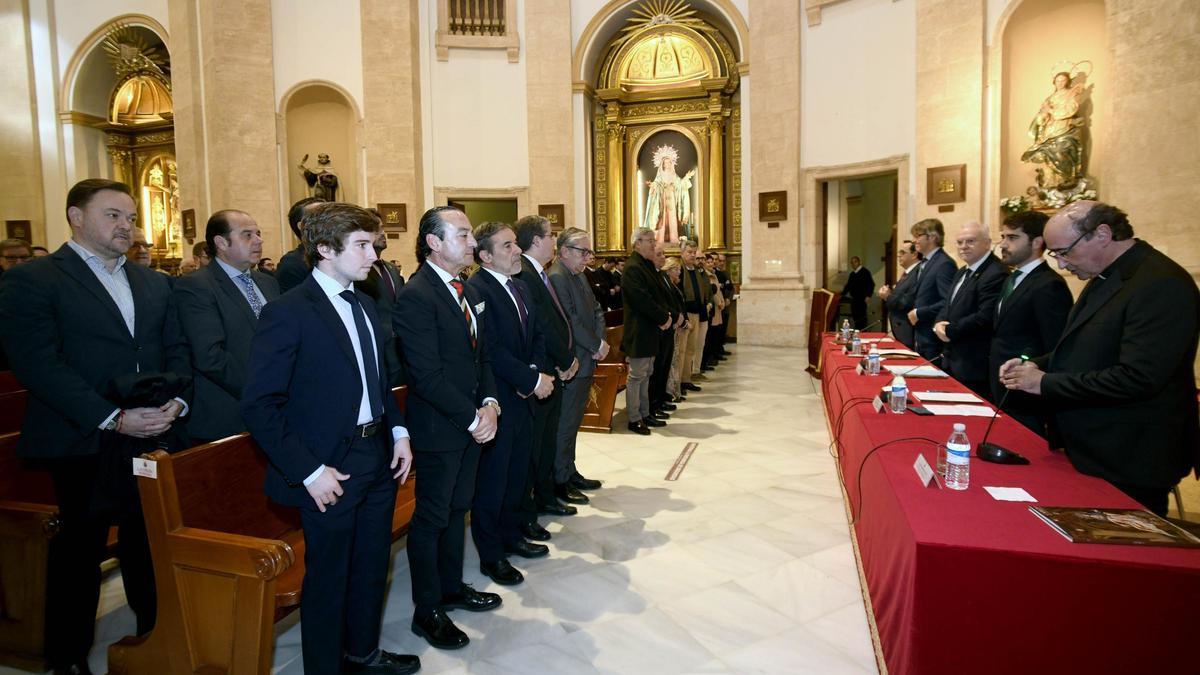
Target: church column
<point>773,309</point>
<point>225,129</point>
<point>617,225</point>
<point>547,37</point>
<point>716,173</point>
<point>392,115</point>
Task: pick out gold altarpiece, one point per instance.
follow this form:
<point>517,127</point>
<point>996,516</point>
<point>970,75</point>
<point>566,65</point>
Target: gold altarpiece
<point>669,69</point>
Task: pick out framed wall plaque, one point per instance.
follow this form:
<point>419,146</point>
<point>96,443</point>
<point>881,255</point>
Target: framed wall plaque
<point>395,218</point>
<point>946,184</point>
<point>772,206</point>
<point>189,224</point>
<point>555,213</point>
<point>18,229</point>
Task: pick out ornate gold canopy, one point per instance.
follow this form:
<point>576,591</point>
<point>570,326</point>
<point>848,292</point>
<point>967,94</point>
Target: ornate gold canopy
<point>666,57</point>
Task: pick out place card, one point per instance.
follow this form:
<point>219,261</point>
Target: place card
<point>1009,494</point>
<point>924,471</point>
<point>147,468</point>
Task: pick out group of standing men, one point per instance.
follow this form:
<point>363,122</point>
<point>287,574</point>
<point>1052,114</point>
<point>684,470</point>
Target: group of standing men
<point>1108,377</point>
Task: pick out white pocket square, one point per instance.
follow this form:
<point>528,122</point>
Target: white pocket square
<point>480,307</point>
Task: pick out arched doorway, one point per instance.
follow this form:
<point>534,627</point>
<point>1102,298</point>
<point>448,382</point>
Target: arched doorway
<point>321,132</point>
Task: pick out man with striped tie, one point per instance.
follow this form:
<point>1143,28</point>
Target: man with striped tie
<point>219,306</point>
<point>452,411</point>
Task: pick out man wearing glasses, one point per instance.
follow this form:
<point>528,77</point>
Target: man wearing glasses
<point>13,252</point>
<point>1119,384</point>
<point>934,281</point>
<point>587,325</point>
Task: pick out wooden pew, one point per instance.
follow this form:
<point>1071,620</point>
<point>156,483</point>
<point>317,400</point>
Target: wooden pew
<point>228,563</point>
<point>12,403</point>
<point>608,381</point>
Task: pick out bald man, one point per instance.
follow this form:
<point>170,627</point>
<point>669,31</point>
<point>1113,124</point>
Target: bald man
<point>1119,383</point>
<point>964,325</point>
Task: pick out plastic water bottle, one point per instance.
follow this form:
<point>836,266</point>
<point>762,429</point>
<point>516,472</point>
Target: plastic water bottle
<point>844,338</point>
<point>958,459</point>
<point>873,361</point>
<point>899,395</point>
<point>855,344</point>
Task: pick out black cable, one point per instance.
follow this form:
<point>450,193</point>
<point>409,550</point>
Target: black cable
<point>858,480</point>
<point>837,423</point>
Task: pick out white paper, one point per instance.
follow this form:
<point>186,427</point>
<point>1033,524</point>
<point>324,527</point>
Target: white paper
<point>915,371</point>
<point>1006,494</point>
<point>897,352</point>
<point>947,396</point>
<point>961,410</point>
<point>145,467</point>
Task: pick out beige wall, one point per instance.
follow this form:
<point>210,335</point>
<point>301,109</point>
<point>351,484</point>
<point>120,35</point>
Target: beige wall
<point>20,169</point>
<point>547,56</point>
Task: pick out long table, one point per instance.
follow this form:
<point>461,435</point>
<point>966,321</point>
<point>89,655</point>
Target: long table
<point>961,583</point>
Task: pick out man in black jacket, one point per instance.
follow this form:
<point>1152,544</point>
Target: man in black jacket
<point>1119,382</point>
<point>1030,313</point>
<point>292,268</point>
<point>646,316</point>
<point>383,284</point>
<point>859,287</point>
<point>899,298</point>
<point>218,308</point>
<point>73,323</point>
<point>965,323</point>
<point>660,406</point>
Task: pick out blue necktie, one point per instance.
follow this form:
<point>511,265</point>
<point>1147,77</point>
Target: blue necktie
<point>251,294</point>
<point>368,353</point>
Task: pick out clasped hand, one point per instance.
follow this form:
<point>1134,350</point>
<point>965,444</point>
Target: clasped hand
<point>1021,375</point>
<point>149,422</point>
<point>486,429</point>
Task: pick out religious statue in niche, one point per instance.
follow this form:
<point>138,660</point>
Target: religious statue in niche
<point>1060,138</point>
<point>322,183</point>
<point>667,203</point>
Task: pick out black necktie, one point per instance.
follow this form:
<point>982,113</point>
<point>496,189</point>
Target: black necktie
<point>368,353</point>
<point>524,313</point>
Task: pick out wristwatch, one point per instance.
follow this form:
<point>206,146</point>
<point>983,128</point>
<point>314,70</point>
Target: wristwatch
<point>494,405</point>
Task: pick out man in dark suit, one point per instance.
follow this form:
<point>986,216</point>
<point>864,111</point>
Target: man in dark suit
<point>517,352</point>
<point>965,323</point>
<point>316,402</point>
<point>383,284</point>
<point>858,289</point>
<point>73,323</point>
<point>899,299</point>
<point>218,309</point>
<point>935,278</point>
<point>587,328</point>
<point>453,410</point>
<point>727,290</point>
<point>660,404</point>
<point>646,316</point>
<point>537,242</point>
<point>292,268</point>
<point>1119,382</point>
<point>1030,313</point>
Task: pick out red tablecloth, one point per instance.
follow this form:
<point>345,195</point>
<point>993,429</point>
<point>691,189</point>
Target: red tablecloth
<point>962,583</point>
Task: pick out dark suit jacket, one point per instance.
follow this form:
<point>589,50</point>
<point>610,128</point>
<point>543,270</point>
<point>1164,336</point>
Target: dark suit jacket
<point>934,284</point>
<point>219,326</point>
<point>1029,322</point>
<point>447,378</point>
<point>303,388</point>
<point>292,269</point>
<point>385,303</point>
<point>66,340</point>
<point>645,309</point>
<point>1120,379</point>
<point>514,352</point>
<point>899,302</point>
<point>860,285</point>
<point>554,324</point>
<point>970,314</point>
<point>585,314</point>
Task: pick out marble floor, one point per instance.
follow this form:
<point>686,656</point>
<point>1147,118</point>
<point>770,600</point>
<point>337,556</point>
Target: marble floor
<point>742,565</point>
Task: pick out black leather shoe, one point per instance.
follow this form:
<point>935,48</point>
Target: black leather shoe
<point>679,399</point>
<point>570,495</point>
<point>639,428</point>
<point>527,549</point>
<point>688,386</point>
<point>556,509</point>
<point>651,422</point>
<point>502,572</point>
<point>579,482</point>
<point>439,631</point>
<point>74,669</point>
<point>535,532</point>
<point>386,663</point>
<point>471,600</point>
<point>660,415</point>
<point>669,407</point>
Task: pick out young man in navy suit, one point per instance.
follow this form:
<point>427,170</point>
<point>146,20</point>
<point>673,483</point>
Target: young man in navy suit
<point>935,278</point>
<point>317,402</point>
<point>452,411</point>
<point>517,351</point>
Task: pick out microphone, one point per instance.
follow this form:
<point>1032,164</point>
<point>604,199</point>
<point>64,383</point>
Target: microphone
<point>991,452</point>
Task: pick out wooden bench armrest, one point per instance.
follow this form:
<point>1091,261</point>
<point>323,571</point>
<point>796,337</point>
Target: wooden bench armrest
<point>236,554</point>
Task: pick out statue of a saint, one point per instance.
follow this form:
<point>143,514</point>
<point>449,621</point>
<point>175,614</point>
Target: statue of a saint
<point>669,200</point>
<point>1059,140</point>
<point>322,183</point>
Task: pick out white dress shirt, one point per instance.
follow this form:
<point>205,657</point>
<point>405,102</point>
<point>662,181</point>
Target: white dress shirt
<point>446,278</point>
<point>973,267</point>
<point>1029,266</point>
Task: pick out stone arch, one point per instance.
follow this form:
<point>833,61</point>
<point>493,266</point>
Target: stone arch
<point>67,87</point>
<point>350,167</point>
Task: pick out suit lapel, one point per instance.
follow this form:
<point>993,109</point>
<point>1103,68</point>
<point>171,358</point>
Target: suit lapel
<point>1031,280</point>
<point>1097,299</point>
<point>509,307</point>
<point>325,310</point>
<point>70,262</point>
<point>141,298</point>
<point>231,291</point>
<point>442,291</point>
<point>263,287</point>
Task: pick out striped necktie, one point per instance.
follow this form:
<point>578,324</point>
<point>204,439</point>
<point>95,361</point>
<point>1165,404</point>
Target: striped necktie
<point>466,310</point>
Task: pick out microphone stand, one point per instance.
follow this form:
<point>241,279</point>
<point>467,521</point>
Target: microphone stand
<point>992,449</point>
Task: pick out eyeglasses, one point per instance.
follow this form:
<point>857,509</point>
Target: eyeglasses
<point>1064,252</point>
<point>585,252</point>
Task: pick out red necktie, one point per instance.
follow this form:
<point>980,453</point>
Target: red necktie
<point>462,304</point>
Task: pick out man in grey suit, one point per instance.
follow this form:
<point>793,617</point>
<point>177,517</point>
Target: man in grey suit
<point>899,298</point>
<point>218,309</point>
<point>587,325</point>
